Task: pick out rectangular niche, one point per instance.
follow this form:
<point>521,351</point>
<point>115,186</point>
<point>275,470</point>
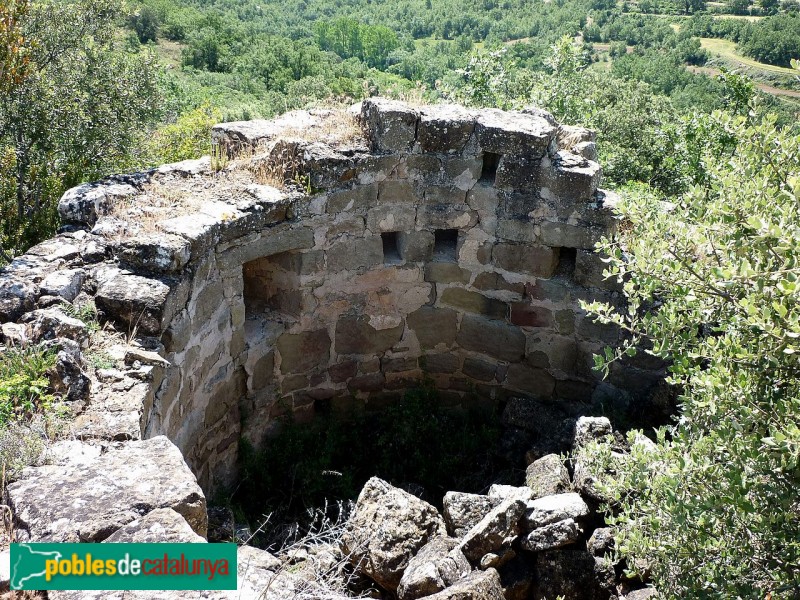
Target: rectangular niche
<point>445,245</point>
<point>489,168</point>
<point>391,251</point>
<point>271,287</point>
<point>566,262</point>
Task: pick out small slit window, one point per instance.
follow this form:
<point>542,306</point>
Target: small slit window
<point>489,169</point>
<point>566,262</point>
<point>391,252</point>
<point>445,245</point>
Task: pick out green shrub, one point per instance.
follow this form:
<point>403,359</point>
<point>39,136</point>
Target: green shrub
<point>24,384</point>
<point>713,284</point>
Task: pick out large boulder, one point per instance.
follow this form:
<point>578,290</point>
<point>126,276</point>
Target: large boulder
<point>551,509</point>
<point>439,564</point>
<point>161,525</point>
<point>551,536</point>
<point>387,528</point>
<point>87,500</point>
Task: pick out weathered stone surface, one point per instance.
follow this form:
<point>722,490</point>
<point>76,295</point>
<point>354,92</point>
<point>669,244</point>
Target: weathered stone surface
<point>589,268</point>
<point>354,335</point>
<point>433,326</point>
<point>474,302</point>
<point>90,500</point>
<point>504,492</point>
<point>601,541</point>
<point>160,253</point>
<point>550,509</point>
<point>588,429</point>
<point>350,255</point>
<point>392,125</point>
<point>82,205</point>
<point>16,297</point>
<point>65,283</point>
<point>463,511</point>
<point>547,476</point>
<point>391,218</point>
<point>387,528</point>
<point>566,235</point>
<point>437,565</point>
<point>441,363</point>
<point>517,576</point>
<point>136,301</point>
<point>495,531</point>
<point>52,323</point>
<point>479,369</point>
<point>70,380</point>
<point>478,585</point>
<point>415,246</point>
<point>161,525</point>
<point>446,272</point>
<point>491,337</point>
<point>444,129</point>
<point>570,177</point>
<point>446,216</point>
<point>642,594</point>
<point>568,573</point>
<point>513,133</point>
<point>551,536</point>
<point>539,261</point>
<point>524,314</point>
<point>532,381</point>
<point>303,351</point>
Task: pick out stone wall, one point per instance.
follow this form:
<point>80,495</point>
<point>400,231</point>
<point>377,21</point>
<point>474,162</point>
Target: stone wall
<point>445,244</point>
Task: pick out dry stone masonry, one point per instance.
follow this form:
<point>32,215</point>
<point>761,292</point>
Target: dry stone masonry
<point>433,243</point>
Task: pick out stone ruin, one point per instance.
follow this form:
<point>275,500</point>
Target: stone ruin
<point>435,242</point>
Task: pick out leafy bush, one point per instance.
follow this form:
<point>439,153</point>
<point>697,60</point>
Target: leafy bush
<point>713,283</point>
<point>24,384</point>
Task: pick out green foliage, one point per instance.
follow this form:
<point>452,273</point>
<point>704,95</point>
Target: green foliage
<point>350,39</point>
<point>713,285</point>
<point>76,113</point>
<point>24,382</point>
<point>189,137</point>
<point>413,441</point>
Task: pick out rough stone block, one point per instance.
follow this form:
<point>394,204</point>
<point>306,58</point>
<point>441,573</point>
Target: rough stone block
<point>354,254</point>
<point>415,246</point>
<point>463,172</point>
<point>535,382</point>
<point>433,326</point>
<point>491,281</point>
<point>391,218</point>
<point>303,351</point>
<point>589,267</point>
<point>114,489</point>
<point>439,194</point>
<point>518,174</point>
<point>136,301</point>
<point>554,290</point>
<point>444,129</point>
<point>554,233</point>
<point>491,337</point>
<point>354,335</point>
<point>440,363</point>
<point>474,302</point>
<point>549,351</point>
<point>272,241</point>
<point>547,476</point>
<point>343,371</point>
<point>483,197</point>
<point>396,365</point>
<point>552,536</point>
<point>436,566</point>
<point>570,177</point>
<point>516,230</point>
<point>478,585</point>
<point>446,272</point>
<point>446,216</point>
<point>479,369</point>
<point>65,283</point>
<point>514,134</point>
<point>526,315</point>
<point>424,168</point>
<point>357,199</point>
<point>539,261</point>
<point>391,125</point>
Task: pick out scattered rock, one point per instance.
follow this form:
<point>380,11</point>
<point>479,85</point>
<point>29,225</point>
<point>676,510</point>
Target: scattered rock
<point>161,525</point>
<point>463,511</point>
<point>588,429</point>
<point>550,509</point>
<point>495,532</point>
<point>478,585</point>
<point>505,492</point>
<point>65,283</point>
<point>601,541</point>
<point>547,476</point>
<point>386,529</point>
<point>52,323</point>
<point>16,298</point>
<point>439,564</point>
<point>554,535</point>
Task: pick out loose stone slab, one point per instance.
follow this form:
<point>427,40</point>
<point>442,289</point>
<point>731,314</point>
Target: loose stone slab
<point>92,499</point>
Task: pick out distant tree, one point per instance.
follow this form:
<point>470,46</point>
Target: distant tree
<point>144,23</point>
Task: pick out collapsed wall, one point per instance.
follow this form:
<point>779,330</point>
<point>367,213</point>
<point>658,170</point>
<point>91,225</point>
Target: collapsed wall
<point>436,243</point>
